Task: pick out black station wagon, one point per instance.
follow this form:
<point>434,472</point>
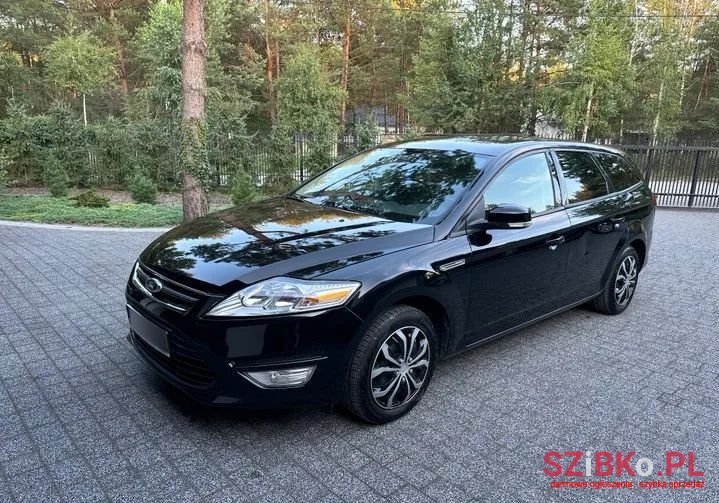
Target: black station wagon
<point>349,289</point>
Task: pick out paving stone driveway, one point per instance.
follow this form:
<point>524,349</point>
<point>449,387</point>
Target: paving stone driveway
<point>83,419</point>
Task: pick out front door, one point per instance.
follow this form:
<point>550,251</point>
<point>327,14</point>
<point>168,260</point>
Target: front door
<point>518,275</point>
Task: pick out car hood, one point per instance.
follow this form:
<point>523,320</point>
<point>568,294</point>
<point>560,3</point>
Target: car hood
<point>280,236</point>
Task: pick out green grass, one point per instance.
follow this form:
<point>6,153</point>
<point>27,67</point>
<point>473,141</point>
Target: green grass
<point>48,209</point>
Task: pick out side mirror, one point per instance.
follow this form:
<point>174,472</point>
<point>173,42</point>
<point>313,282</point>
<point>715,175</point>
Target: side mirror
<point>509,216</point>
<point>506,216</point>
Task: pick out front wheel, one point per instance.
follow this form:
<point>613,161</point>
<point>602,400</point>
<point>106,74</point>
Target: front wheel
<point>619,291</point>
<point>392,365</point>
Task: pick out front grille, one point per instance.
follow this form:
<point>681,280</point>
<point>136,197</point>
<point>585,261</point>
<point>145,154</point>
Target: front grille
<point>184,362</point>
<point>174,295</point>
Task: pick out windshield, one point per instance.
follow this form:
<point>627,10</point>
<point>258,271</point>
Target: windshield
<point>407,185</point>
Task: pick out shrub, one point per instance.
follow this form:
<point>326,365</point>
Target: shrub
<point>24,138</point>
<point>112,147</point>
<point>142,189</point>
<point>55,178</point>
<point>67,143</point>
<point>243,189</point>
<point>365,133</point>
<point>155,146</point>
<point>3,180</point>
<point>319,157</point>
<point>281,162</point>
<point>409,134</point>
<point>91,199</point>
<point>4,163</point>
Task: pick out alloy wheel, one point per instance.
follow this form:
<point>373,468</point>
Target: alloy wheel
<point>626,280</point>
<point>400,367</point>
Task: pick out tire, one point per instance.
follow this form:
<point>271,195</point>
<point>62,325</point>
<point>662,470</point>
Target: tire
<point>381,348</point>
<point>618,293</point>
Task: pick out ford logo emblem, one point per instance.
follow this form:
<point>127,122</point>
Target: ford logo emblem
<point>153,285</point>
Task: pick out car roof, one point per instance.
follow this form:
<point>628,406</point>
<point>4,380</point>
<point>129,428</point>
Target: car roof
<point>491,145</point>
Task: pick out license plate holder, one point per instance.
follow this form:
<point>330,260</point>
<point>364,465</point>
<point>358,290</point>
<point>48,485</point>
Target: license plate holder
<point>148,332</point>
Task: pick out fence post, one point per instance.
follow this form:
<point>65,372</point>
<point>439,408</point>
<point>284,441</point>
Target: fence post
<point>302,167</point>
<point>695,175</point>
<point>650,163</point>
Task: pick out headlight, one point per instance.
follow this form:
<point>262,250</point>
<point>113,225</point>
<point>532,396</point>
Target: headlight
<point>285,295</point>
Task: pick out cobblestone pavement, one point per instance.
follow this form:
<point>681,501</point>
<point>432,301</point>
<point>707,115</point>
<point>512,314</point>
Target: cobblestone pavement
<point>82,418</point>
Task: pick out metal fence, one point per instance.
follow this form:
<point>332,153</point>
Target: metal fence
<point>258,158</point>
<point>679,175</point>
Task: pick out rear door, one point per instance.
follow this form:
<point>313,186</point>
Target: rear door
<point>517,275</point>
<point>597,223</point>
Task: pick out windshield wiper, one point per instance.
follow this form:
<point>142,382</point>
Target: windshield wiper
<point>332,199</point>
<point>354,208</point>
<point>298,197</point>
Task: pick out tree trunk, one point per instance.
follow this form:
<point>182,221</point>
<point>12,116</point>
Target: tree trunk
<point>122,69</point>
<point>120,51</point>
<point>632,52</point>
<point>524,35</point>
<point>534,65</point>
<point>688,24</point>
<point>269,62</point>
<point>344,81</point>
<point>682,86</point>
<point>703,84</point>
<point>588,112</point>
<point>399,120</point>
<point>655,126</point>
<point>509,56</point>
<point>277,59</point>
<point>194,198</point>
<point>84,109</point>
<point>635,35</point>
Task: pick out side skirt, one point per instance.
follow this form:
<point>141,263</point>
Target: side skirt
<point>527,323</point>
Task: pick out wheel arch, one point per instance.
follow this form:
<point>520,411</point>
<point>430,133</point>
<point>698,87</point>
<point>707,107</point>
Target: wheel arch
<point>436,313</point>
<point>638,244</point>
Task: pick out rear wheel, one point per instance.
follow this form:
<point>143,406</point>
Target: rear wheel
<point>620,288</point>
<point>392,365</point>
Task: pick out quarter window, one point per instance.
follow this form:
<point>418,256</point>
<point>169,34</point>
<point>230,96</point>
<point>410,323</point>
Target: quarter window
<point>582,177</point>
<point>526,182</point>
<point>620,172</point>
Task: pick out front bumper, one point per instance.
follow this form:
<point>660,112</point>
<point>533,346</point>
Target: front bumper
<point>208,355</point>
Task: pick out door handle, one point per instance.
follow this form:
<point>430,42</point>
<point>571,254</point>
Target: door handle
<point>554,242</point>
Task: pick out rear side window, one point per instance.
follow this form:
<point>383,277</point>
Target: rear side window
<point>583,179</point>
<point>620,172</point>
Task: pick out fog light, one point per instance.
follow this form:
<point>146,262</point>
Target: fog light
<point>282,378</point>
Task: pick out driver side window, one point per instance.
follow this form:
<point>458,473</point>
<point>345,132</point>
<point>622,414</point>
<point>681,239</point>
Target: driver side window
<point>525,182</point>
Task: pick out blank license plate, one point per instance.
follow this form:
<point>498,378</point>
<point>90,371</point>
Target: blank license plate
<point>148,331</point>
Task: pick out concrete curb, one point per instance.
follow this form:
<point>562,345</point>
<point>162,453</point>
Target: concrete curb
<point>91,228</point>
